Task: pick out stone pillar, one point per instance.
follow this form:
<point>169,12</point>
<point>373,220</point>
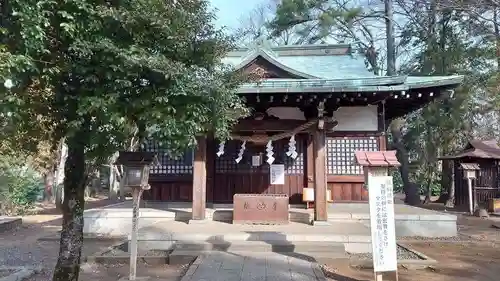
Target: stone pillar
<point>199,180</point>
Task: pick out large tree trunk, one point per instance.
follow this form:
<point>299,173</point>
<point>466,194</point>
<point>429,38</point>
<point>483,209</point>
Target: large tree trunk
<point>450,203</point>
<point>446,181</point>
<point>428,188</point>
<point>389,32</point>
<point>49,182</point>
<point>68,263</point>
<point>412,196</point>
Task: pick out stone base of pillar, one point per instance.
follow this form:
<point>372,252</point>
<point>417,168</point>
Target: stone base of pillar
<point>198,221</point>
<point>321,223</point>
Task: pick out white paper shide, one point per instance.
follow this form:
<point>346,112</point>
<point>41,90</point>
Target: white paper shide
<point>277,174</point>
<point>382,223</point>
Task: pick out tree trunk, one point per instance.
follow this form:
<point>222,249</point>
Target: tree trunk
<point>428,188</point>
<point>446,181</point>
<point>49,182</point>
<point>450,203</point>
<point>497,33</point>
<point>411,190</point>
<point>68,263</point>
<point>389,32</point>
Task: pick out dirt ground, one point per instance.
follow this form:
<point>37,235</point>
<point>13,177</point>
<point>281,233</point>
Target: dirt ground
<point>23,246</point>
<point>96,272</point>
<point>473,257</point>
<point>457,261</point>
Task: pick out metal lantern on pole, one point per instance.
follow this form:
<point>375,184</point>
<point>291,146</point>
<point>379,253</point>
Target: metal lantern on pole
<point>137,165</point>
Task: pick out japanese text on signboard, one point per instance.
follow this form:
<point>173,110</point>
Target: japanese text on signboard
<point>381,196</point>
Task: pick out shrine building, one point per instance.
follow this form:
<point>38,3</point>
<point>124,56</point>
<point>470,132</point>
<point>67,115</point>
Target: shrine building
<point>312,107</point>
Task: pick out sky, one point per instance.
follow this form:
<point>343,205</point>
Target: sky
<point>230,11</point>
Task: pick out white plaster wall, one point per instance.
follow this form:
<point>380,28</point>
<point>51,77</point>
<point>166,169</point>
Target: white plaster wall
<point>282,112</point>
<point>356,118</point>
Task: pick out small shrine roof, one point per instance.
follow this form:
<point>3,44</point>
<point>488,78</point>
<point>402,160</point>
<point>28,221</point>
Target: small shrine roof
<point>488,149</point>
<point>470,166</point>
<point>377,158</point>
<point>325,68</point>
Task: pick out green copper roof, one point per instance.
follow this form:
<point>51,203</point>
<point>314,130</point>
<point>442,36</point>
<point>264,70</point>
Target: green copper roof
<point>325,68</point>
<point>372,84</point>
<point>308,61</point>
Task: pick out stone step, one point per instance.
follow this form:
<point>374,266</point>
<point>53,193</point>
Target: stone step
<point>183,256</point>
<point>227,215</point>
<point>259,246</point>
<point>185,252</point>
<point>9,223</point>
<point>263,236</point>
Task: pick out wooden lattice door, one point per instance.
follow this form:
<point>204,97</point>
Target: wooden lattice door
<point>232,177</point>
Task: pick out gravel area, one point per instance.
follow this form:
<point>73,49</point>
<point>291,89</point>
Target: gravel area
<point>6,272</point>
<point>458,238</point>
<point>117,252</point>
<point>403,254</point>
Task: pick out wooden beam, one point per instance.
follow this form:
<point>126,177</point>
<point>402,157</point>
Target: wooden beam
<point>267,125</point>
<point>200,180</point>
<point>320,185</point>
<point>274,125</point>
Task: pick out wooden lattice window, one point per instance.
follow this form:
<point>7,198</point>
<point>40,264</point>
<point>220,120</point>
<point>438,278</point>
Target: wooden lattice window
<point>170,165</point>
<point>227,163</point>
<point>340,154</point>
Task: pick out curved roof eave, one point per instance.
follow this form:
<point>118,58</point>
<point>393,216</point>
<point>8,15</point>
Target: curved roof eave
<point>416,82</point>
<point>273,61</point>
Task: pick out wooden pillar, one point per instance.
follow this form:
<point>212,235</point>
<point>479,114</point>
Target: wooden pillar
<point>310,163</point>
<point>211,155</point>
<point>200,180</point>
<point>320,186</point>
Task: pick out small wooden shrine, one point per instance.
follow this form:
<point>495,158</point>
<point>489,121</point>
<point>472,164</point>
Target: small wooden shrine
<point>483,157</point>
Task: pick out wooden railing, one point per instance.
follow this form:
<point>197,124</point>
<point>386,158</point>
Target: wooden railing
<point>483,194</point>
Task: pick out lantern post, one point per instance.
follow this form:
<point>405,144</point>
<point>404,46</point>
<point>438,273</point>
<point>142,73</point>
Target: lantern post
<point>136,165</point>
<point>469,172</point>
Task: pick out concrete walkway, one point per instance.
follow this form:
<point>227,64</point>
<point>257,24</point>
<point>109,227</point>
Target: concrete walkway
<point>224,266</point>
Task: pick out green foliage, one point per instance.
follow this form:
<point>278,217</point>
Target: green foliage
<point>397,181</point>
<point>107,70</point>
<point>96,74</point>
<point>20,187</point>
<point>313,21</point>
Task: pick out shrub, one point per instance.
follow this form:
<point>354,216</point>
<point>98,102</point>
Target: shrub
<point>20,186</point>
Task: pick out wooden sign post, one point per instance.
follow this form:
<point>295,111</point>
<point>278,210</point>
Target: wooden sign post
<point>376,166</point>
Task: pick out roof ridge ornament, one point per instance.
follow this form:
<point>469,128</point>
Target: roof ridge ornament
<point>263,45</point>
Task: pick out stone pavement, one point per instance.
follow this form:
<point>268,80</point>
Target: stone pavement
<point>224,266</point>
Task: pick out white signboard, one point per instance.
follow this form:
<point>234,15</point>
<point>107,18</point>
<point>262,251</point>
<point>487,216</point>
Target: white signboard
<point>383,231</point>
<point>277,174</point>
